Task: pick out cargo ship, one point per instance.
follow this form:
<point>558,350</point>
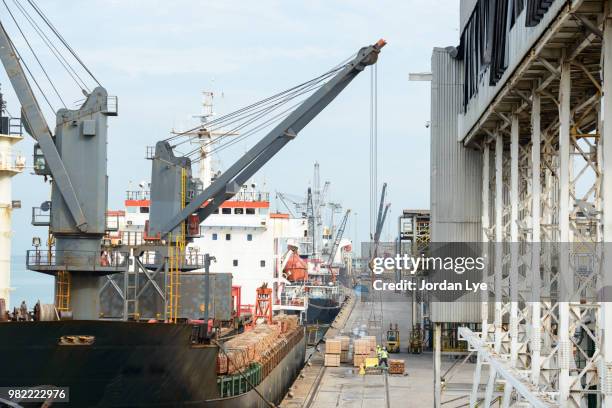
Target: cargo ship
<point>135,364</point>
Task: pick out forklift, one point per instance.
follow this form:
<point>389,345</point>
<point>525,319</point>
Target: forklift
<point>393,339</point>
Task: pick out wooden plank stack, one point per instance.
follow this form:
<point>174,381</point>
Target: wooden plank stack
<point>361,351</point>
<point>396,366</point>
<point>333,349</point>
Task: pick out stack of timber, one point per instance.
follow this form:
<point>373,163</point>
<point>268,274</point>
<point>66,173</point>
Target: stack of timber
<point>344,348</point>
<point>333,349</point>
<point>361,350</point>
<point>260,345</point>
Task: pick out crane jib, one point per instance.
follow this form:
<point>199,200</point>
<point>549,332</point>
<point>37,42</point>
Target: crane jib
<point>245,167</point>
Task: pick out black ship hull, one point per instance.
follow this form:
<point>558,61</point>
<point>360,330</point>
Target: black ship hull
<point>127,364</point>
<point>322,310</point>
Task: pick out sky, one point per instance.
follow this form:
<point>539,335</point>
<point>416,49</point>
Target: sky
<point>158,56</point>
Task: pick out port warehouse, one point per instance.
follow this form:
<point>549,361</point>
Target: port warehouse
<point>519,152</point>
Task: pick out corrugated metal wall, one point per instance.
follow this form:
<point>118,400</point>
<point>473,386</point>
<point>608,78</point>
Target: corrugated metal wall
<point>456,177</point>
<point>520,41</point>
<point>465,11</point>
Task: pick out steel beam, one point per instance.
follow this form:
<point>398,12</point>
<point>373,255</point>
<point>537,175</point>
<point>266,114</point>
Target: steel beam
<point>512,376</point>
<point>606,208</point>
<point>536,187</point>
<point>564,346</point>
<point>38,128</point>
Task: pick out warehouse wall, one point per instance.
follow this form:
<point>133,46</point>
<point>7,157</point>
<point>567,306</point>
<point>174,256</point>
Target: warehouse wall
<point>456,177</point>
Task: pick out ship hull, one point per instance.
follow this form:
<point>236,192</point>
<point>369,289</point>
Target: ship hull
<point>322,310</point>
<point>128,365</point>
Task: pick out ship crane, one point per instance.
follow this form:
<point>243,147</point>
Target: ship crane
<point>336,245</point>
<point>73,157</point>
<point>311,222</point>
<point>171,207</point>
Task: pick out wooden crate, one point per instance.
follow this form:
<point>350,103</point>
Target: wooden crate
<point>359,359</point>
<point>371,342</point>
<point>332,360</point>
<point>344,342</point>
<point>333,346</point>
<point>361,346</point>
<point>397,366</point>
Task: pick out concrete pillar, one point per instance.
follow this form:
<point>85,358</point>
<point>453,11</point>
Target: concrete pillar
<point>437,365</point>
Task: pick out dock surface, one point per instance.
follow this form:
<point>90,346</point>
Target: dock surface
<point>324,387</point>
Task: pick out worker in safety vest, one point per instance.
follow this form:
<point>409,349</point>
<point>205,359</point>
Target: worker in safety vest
<point>384,356</point>
<point>378,350</point>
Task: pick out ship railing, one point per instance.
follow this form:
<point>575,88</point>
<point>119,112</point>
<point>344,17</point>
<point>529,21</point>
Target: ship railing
<point>138,195</point>
<point>132,238</point>
<point>105,260</point>
<point>41,216</point>
<point>292,300</point>
<point>112,105</point>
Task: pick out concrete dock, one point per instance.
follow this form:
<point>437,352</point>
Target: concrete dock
<point>323,387</point>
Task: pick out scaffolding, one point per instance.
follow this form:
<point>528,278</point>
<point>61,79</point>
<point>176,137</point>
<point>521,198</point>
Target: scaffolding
<point>547,221</point>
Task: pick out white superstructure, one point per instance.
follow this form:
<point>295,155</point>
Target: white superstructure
<point>11,164</point>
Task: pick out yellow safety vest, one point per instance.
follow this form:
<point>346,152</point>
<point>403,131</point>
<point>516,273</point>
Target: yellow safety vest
<point>383,354</point>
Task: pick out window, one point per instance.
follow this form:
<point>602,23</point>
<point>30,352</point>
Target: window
<point>235,262</point>
<point>250,211</point>
<point>228,237</point>
<point>305,233</point>
<point>238,210</point>
<point>144,210</point>
<point>262,263</point>
<point>216,211</point>
<point>226,211</point>
<point>249,237</point>
<point>214,236</point>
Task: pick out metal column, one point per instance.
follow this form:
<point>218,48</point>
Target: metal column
<point>564,345</point>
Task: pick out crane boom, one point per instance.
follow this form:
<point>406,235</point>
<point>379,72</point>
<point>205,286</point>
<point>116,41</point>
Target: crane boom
<point>311,221</point>
<point>38,128</point>
<point>229,182</point>
<point>339,235</point>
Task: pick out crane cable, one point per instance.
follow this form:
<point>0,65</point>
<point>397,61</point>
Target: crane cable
<point>34,54</point>
<point>61,38</point>
<point>54,50</point>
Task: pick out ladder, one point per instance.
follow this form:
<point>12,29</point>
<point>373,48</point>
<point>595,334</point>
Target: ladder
<point>176,251</point>
<point>131,292</point>
<point>62,291</point>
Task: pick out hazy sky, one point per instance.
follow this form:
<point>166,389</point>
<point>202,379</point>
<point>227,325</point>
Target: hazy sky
<point>157,57</point>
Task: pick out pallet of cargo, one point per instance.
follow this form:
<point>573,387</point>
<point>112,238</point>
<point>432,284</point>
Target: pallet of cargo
<point>397,366</point>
